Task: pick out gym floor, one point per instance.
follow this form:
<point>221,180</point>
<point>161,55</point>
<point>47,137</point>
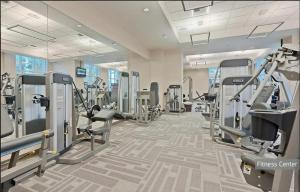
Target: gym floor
<point>173,153</point>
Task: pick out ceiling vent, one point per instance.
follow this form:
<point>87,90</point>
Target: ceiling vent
<point>264,30</point>
<point>200,38</point>
<point>196,6</point>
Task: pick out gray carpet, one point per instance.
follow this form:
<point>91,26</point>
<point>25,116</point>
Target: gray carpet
<point>172,154</point>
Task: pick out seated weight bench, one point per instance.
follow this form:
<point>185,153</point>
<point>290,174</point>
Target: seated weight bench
<point>16,169</point>
<point>236,135</point>
<point>105,116</point>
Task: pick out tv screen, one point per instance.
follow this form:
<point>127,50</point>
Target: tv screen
<point>80,72</point>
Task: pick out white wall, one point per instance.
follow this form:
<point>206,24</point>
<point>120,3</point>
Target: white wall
<point>8,63</point>
<point>141,65</point>
<point>164,67</point>
<point>200,81</point>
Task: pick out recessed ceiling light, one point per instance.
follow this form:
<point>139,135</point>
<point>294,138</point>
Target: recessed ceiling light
<point>164,36</point>
<point>79,25</point>
<point>114,43</point>
<point>146,10</point>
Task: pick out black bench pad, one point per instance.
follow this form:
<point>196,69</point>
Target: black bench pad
<point>103,115</point>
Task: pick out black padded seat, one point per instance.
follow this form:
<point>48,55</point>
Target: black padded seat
<point>99,131</point>
<point>6,124</point>
<point>104,115</point>
<point>83,128</point>
<point>206,114</point>
<point>231,130</point>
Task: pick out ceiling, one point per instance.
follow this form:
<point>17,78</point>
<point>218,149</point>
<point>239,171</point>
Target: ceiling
<point>124,19</point>
<point>228,18</point>
<point>44,36</point>
<point>150,28</point>
<point>214,59</point>
<point>164,26</point>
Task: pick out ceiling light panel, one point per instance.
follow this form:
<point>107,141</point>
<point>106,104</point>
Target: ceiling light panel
<point>264,30</point>
<point>195,5</point>
<point>30,33</point>
<point>201,38</point>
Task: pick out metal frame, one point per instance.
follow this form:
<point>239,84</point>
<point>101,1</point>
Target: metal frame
<point>184,9</point>
<point>194,42</point>
<point>267,33</point>
<point>14,147</point>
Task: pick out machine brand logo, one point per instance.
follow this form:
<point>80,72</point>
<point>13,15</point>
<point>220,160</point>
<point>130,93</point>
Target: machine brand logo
<point>238,80</point>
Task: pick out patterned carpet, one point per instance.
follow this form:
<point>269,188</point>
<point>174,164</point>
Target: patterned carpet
<point>171,154</point>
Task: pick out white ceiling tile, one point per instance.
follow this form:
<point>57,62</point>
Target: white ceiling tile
<point>218,34</point>
<point>286,4</point>
<point>67,39</point>
<point>237,20</point>
<point>181,15</point>
<point>246,11</point>
<point>218,16</point>
<point>240,4</point>
<point>221,7</point>
<point>174,6</point>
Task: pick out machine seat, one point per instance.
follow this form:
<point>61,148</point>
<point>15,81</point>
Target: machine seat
<point>232,130</point>
<point>99,131</point>
<point>103,115</point>
<point>206,114</point>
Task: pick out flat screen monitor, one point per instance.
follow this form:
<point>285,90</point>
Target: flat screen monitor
<point>80,72</point>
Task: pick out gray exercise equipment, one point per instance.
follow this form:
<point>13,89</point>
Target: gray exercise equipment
<point>267,123</point>
<point>30,116</point>
<point>17,170</point>
<point>148,104</point>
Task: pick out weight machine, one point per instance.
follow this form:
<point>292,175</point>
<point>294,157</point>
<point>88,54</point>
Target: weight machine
<point>267,123</point>
<point>174,99</point>
<point>30,116</point>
